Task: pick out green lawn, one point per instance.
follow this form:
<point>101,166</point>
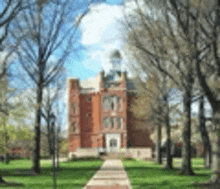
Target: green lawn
<point>149,175</point>
<point>72,175</point>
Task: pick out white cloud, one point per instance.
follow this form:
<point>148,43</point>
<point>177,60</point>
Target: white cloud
<point>102,33</point>
<point>100,25</point>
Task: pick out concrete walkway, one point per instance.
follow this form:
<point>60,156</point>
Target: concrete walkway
<point>110,176</point>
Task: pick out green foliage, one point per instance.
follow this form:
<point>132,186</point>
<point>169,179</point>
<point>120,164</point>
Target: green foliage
<point>13,133</point>
<point>71,174</point>
<point>64,147</point>
<point>24,133</point>
<point>150,175</point>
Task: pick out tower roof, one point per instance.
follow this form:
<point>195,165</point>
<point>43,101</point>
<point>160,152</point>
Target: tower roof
<point>115,54</point>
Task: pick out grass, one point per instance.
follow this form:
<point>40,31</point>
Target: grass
<point>144,174</point>
<point>72,175</point>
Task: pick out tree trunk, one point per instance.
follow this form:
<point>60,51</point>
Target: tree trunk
<point>204,135</point>
<point>158,153</point>
<point>215,141</point>
<point>36,155</point>
<point>7,158</point>
<point>1,180</point>
<point>208,158</point>
<point>186,168</point>
<point>49,136</point>
<point>168,147</point>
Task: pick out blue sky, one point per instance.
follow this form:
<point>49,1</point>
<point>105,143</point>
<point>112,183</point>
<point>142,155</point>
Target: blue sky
<point>100,33</point>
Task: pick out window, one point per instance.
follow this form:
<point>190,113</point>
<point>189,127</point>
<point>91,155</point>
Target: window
<point>105,122</point>
<point>110,102</point>
<point>118,99</point>
<point>113,102</point>
<point>73,127</point>
<point>119,122</point>
<point>106,103</point>
<point>119,103</point>
<point>112,122</point>
<point>113,143</point>
<point>112,105</point>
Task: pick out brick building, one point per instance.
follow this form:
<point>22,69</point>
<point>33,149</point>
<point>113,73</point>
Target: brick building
<point>98,113</point>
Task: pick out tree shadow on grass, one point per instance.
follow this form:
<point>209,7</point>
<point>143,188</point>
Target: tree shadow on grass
<point>143,177</point>
<point>174,171</point>
<point>69,176</point>
<point>27,172</point>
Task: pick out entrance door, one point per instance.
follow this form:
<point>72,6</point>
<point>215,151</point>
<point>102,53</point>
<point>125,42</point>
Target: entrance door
<point>113,145</point>
<point>113,142</point>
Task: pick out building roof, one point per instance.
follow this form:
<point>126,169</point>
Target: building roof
<point>115,54</point>
<point>93,84</point>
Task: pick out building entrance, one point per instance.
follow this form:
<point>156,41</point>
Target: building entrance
<point>113,145</point>
<point>113,142</point>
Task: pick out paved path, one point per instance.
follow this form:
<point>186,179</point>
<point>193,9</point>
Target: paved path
<point>110,176</point>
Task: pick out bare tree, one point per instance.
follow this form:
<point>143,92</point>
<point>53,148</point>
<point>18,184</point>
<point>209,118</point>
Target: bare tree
<point>10,10</point>
<point>153,105</point>
<point>50,31</point>
<point>165,48</point>
<point>206,49</point>
<point>193,33</point>
<point>51,100</point>
<point>204,134</point>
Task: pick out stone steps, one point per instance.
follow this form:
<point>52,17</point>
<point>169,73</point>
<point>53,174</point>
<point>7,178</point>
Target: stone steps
<point>111,156</point>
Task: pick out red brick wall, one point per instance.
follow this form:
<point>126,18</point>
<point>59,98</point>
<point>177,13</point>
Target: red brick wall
<point>123,141</point>
<point>89,116</point>
<point>96,113</point>
<point>73,142</point>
